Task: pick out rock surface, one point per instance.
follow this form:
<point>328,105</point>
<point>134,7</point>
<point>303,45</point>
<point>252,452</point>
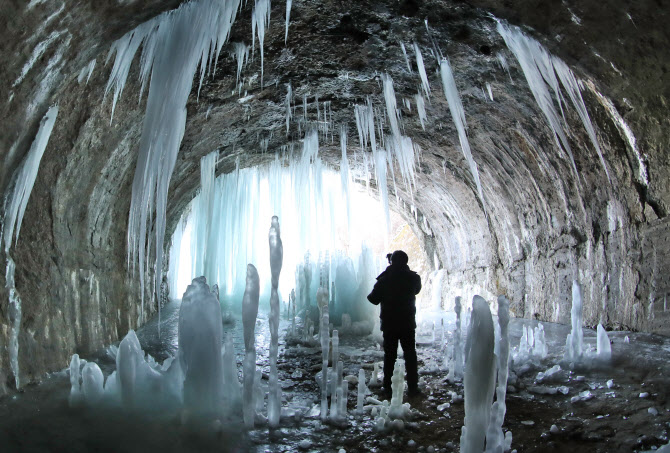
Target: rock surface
<point>544,227</point>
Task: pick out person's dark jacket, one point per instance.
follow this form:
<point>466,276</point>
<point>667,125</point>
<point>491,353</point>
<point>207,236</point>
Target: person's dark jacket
<point>396,289</point>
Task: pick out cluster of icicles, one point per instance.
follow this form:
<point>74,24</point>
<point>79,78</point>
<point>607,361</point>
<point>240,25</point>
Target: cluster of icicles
<point>178,43</point>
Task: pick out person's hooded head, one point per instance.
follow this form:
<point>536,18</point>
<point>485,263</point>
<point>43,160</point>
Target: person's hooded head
<point>399,258</point>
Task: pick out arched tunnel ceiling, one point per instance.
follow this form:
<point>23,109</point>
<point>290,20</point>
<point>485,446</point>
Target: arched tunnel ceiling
<point>544,226</point>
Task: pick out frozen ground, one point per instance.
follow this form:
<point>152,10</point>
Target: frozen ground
<point>607,419</point>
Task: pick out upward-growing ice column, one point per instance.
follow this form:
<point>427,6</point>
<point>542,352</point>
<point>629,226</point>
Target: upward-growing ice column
<point>322,300</point>
<point>495,441</point>
<point>573,344</point>
<point>458,348</point>
<point>249,314</point>
<point>479,377</point>
<point>200,339</point>
<point>276,259</point>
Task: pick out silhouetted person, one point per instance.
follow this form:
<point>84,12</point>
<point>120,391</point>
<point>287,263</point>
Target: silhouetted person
<point>395,290</point>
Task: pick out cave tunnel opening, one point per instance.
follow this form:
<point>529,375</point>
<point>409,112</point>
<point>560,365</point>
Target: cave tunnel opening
<point>518,156</point>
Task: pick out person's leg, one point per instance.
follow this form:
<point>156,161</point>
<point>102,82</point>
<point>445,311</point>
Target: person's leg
<point>390,354</point>
<point>409,351</point>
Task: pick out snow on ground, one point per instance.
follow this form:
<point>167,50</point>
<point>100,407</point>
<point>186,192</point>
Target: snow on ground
<point>622,406</point>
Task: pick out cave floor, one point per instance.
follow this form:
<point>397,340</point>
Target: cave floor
<point>614,419</point>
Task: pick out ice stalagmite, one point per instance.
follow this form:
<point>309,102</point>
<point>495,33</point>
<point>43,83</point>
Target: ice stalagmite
<point>75,384</point>
<point>362,390</point>
<point>232,395</point>
<point>396,409</point>
<point>458,347</point>
<point>276,259</point>
<point>574,341</point>
<point>322,300</point>
<point>604,348</point>
<point>92,382</point>
<point>249,314</point>
<point>495,440</point>
<point>479,378</point>
<point>458,115</point>
<point>200,339</point>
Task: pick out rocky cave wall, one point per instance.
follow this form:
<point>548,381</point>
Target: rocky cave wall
<point>544,226</point>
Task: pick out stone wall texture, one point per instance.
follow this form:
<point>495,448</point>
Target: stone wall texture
<point>541,227</point>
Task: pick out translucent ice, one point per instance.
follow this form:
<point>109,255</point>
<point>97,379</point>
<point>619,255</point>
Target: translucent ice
<point>479,377</point>
<point>92,382</point>
<point>24,179</point>
<point>422,70</point>
<point>458,115</point>
<point>574,341</point>
<point>176,43</point>
<point>604,347</point>
<point>249,314</point>
<point>495,440</point>
<point>261,19</point>
<point>276,259</point>
<point>288,18</point>
<point>541,70</point>
<point>200,339</point>
<point>458,347</point>
<point>421,109</point>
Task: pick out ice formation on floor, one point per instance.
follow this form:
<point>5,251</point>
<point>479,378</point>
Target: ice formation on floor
<point>276,260</point>
<point>479,380</point>
<point>325,349</point>
<point>495,440</point>
<point>200,340</point>
<point>532,344</point>
<point>574,343</point>
<point>249,314</point>
<point>604,348</point>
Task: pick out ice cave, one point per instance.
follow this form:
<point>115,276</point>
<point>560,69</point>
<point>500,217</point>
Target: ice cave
<point>198,197</point>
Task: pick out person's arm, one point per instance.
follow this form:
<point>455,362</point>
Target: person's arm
<point>417,284</point>
<point>375,296</point>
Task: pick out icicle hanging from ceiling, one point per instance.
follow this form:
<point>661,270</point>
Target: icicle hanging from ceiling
<point>176,43</point>
<point>541,70</point>
<point>458,115</point>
